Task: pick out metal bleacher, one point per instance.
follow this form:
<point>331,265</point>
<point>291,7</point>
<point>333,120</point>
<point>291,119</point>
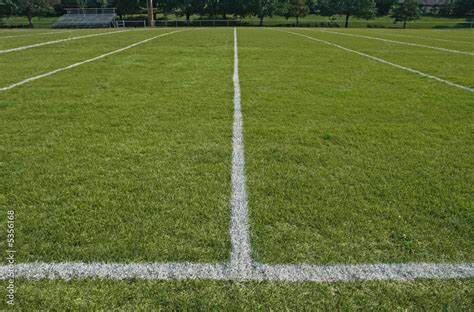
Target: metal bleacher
<point>86,18</point>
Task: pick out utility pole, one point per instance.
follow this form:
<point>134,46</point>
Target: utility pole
<point>149,5</point>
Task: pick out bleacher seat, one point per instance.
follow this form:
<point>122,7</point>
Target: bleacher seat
<point>86,18</point>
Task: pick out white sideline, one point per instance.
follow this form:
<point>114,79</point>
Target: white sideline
<point>83,62</point>
<point>394,41</point>
<point>239,229</point>
<point>426,38</point>
<point>26,35</point>
<point>385,62</point>
<point>60,40</point>
<point>257,272</point>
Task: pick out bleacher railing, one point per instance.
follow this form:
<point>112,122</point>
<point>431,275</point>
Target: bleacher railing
<point>92,11</point>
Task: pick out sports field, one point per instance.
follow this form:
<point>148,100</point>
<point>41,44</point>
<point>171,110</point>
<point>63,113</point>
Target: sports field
<point>249,168</point>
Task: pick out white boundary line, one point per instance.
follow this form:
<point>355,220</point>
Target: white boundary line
<point>239,230</point>
<point>384,61</point>
<point>60,40</point>
<point>241,266</point>
<point>40,34</point>
<point>257,272</point>
<point>83,62</point>
<point>388,33</point>
<point>393,41</point>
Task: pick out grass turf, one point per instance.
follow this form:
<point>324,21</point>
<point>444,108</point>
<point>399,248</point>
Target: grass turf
<point>424,37</point>
<point>86,295</point>
<point>348,160</point>
<point>352,161</point>
<point>20,38</point>
<point>140,174</point>
<point>454,67</point>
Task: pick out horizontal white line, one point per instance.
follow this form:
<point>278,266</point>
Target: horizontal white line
<point>83,62</point>
<point>385,62</point>
<point>259,272</point>
<point>60,40</point>
<point>397,42</point>
<point>345,273</point>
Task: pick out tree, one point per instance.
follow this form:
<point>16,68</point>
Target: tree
<point>464,8</point>
<point>296,9</point>
<point>127,6</point>
<point>263,8</point>
<point>383,6</point>
<point>408,10</point>
<point>357,8</point>
<point>82,4</point>
<point>34,8</point>
<point>7,8</point>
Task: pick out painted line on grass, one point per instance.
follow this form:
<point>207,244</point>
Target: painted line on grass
<point>258,272</point>
<point>239,228</point>
<point>426,38</point>
<point>40,34</point>
<point>367,272</point>
<point>61,40</point>
<point>394,41</point>
<point>84,62</point>
<point>384,61</point>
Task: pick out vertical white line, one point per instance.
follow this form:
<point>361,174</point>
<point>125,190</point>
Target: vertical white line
<point>241,262</point>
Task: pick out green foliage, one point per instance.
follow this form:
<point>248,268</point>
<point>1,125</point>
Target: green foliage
<point>409,10</point>
<point>33,8</point>
<point>296,9</point>
<point>464,8</point>
<point>7,8</point>
<point>357,8</point>
<point>383,6</point>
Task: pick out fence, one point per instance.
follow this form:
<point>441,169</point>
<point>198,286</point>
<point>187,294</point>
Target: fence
<point>266,23</point>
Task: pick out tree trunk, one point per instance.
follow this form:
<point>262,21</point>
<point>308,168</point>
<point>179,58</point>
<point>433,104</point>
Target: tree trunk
<point>188,16</point>
<point>261,20</point>
<point>30,20</point>
<point>297,21</point>
<point>404,24</point>
<point>346,25</point>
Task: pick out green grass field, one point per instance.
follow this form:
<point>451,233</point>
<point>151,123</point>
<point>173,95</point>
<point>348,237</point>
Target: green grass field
<point>358,150</point>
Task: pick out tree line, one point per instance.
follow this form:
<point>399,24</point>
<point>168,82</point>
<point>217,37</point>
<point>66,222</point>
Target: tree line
<point>401,10</point>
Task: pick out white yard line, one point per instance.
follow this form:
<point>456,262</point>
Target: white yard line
<point>258,272</point>
<point>60,40</point>
<point>239,230</point>
<point>384,61</point>
<point>395,41</point>
<point>83,62</point>
<point>40,34</point>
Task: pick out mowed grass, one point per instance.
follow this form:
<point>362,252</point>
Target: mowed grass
<point>454,67</point>
<point>19,38</point>
<point>350,160</point>
<point>132,295</point>
<point>126,159</point>
<point>31,62</point>
<point>423,37</point>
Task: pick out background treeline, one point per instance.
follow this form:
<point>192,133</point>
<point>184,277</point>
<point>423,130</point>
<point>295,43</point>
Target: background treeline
<point>225,9</point>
